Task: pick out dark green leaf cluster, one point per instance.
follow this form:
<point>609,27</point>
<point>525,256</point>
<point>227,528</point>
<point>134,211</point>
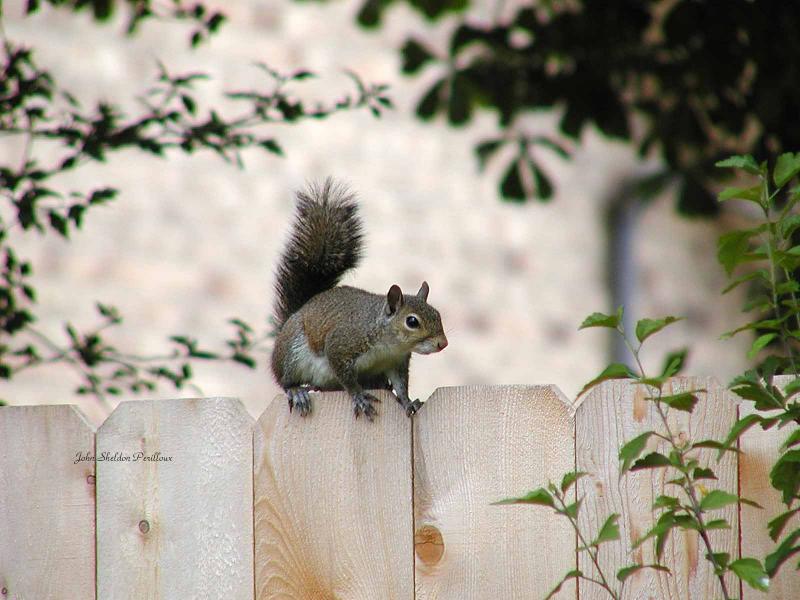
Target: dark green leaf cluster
<point>203,22</point>
<point>696,93</point>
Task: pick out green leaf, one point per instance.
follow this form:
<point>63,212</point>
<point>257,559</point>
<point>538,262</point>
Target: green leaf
<point>612,371</point>
<point>511,185</point>
<point>569,479</point>
<point>788,225</point>
<point>751,194</point>
<point>703,473</point>
<point>244,359</point>
<point>431,101</point>
<point>792,388</point>
<point>571,510</point>
<point>631,450</point>
<point>749,387</point>
<point>760,343</point>
<point>102,196</point>
<point>59,223</point>
<point>792,440</point>
<point>685,401</point>
<point>721,559</point>
<point>738,429</point>
<point>687,522</point>
<point>745,162</point>
<point>663,528</point>
<point>788,166</point>
<point>782,553</point>
<point>666,502</point>
<point>415,55</point>
<point>574,574</point>
<point>538,496</point>
<point>541,182</point>
<point>626,572</point>
<point>599,319</point>
<point>674,363</point>
<point>762,274</point>
<point>785,475</point>
<point>717,499</point>
<point>718,524</point>
<point>777,525</point>
<point>609,531</point>
<point>654,460</point>
<point>459,105</point>
<point>732,249</point>
<point>486,149</point>
<point>271,145</point>
<point>713,444</point>
<point>751,572</point>
<point>647,327</point>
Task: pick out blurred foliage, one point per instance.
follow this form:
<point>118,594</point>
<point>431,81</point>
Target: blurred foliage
<point>56,133</point>
<point>690,82</point>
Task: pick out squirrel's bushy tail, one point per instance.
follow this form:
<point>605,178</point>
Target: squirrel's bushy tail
<point>326,242</point>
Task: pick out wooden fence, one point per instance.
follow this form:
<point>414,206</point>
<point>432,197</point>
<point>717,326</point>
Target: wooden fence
<point>191,499</point>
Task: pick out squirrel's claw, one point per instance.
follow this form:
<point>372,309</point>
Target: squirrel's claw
<point>299,399</point>
<point>362,404</point>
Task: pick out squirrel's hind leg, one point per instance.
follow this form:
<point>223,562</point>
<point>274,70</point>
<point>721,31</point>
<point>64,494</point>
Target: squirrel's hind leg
<point>298,398</point>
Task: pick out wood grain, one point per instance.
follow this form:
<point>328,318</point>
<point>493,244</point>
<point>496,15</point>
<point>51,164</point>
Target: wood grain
<point>759,451</point>
<point>476,445</point>
<point>612,414</point>
<point>181,528</point>
<point>46,504</point>
<point>333,514</point>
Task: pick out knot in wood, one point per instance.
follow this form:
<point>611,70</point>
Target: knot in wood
<point>428,544</point>
<point>144,526</point>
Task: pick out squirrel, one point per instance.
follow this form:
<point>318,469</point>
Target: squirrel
<point>332,337</point>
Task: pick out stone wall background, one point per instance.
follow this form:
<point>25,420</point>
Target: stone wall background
<point>192,241</point>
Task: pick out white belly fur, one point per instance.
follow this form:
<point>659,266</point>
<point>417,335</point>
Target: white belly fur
<point>309,367</point>
<point>315,369</point>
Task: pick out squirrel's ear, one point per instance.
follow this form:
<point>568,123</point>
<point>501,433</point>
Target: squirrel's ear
<point>394,300</point>
<point>423,291</point>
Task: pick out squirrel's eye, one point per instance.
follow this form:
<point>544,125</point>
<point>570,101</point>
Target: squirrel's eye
<point>412,322</point>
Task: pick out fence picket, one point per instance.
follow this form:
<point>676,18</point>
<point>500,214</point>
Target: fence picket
<point>47,523</point>
<point>179,528</point>
<point>333,516</point>
<point>476,445</point>
<point>759,451</point>
<point>612,414</point>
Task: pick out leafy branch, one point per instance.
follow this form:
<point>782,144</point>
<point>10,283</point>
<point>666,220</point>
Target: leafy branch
<point>769,255</point>
<point>691,510</point>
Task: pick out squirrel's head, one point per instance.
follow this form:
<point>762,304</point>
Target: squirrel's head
<point>414,321</point>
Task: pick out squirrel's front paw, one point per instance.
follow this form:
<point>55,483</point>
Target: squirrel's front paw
<point>363,404</point>
<point>412,407</point>
<point>298,398</point>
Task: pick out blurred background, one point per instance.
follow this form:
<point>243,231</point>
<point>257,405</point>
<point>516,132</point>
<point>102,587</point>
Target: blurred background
<point>597,188</point>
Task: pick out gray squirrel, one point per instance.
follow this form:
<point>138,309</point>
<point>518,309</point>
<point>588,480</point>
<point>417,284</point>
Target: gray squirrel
<point>334,337</point>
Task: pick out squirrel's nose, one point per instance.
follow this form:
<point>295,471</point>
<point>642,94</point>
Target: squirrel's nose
<point>442,343</point>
